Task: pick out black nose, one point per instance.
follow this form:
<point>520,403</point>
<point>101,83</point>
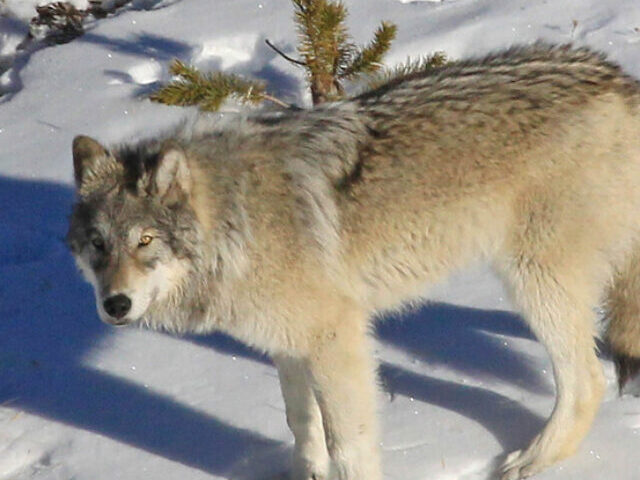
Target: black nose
<point>117,306</point>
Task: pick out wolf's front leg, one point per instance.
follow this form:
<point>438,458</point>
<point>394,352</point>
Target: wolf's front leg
<point>343,374</point>
<point>310,457</point>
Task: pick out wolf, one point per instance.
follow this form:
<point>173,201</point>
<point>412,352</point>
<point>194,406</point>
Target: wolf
<point>292,231</point>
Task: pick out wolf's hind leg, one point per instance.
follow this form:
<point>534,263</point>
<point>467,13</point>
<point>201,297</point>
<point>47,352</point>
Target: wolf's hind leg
<point>310,456</point>
<point>557,306</point>
<point>623,314</point>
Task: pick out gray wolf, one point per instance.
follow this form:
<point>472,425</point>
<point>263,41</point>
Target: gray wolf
<point>290,232</point>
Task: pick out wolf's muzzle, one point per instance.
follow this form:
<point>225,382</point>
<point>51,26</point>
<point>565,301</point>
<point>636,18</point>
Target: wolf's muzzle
<point>117,306</point>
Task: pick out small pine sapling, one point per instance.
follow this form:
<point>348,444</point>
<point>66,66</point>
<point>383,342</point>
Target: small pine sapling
<point>326,52</point>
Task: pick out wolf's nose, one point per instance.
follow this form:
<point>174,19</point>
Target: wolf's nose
<point>117,306</point>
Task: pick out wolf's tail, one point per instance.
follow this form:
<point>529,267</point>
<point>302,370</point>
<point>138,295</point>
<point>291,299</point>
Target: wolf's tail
<point>623,312</point>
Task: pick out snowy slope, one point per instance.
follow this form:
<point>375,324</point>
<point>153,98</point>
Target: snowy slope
<point>464,380</point>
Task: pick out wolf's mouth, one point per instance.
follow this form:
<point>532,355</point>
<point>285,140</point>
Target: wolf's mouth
<point>118,322</point>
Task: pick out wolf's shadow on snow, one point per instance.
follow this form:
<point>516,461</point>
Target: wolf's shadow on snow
<point>48,325</point>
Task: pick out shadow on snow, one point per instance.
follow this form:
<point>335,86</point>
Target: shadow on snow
<point>468,340</point>
<point>281,84</point>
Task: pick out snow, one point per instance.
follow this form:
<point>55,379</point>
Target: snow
<point>464,380</point>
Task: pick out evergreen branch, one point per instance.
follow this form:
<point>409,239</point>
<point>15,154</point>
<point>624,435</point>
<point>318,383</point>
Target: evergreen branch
<point>208,91</point>
<point>306,13</point>
<point>284,55</point>
<point>333,39</point>
<point>369,59</point>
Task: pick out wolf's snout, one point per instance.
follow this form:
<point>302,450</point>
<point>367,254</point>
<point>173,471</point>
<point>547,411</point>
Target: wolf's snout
<point>117,306</point>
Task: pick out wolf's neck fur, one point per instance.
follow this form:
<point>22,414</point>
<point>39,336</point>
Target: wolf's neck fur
<point>202,301</point>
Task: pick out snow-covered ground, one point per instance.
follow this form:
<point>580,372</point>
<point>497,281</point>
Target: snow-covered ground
<point>464,379</point>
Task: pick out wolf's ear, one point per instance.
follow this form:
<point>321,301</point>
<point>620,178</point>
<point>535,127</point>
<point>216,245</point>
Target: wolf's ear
<point>89,159</point>
<point>171,177</point>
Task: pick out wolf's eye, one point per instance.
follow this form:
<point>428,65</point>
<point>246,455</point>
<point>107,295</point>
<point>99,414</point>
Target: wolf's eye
<point>97,242</point>
<point>145,240</point>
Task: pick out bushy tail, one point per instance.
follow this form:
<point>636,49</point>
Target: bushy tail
<point>623,312</point>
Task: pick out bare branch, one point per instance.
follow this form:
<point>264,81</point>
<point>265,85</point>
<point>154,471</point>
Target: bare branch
<point>284,55</point>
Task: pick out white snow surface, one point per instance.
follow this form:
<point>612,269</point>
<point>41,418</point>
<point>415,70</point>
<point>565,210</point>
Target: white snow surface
<point>465,382</point>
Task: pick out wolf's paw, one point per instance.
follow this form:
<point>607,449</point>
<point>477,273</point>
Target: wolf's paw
<point>307,475</point>
<point>522,464</point>
<point>311,467</point>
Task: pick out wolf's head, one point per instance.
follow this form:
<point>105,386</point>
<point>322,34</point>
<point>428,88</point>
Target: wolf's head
<point>133,232</point>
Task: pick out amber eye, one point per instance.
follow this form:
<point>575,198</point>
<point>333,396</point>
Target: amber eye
<point>145,240</point>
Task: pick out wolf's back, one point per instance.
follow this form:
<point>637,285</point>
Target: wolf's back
<point>524,78</point>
